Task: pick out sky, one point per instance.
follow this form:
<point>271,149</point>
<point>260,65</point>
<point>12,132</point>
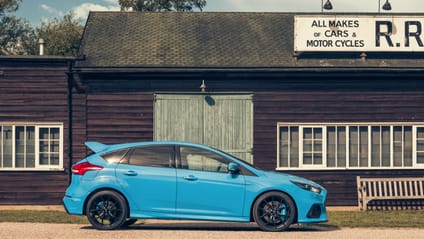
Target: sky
<point>42,10</point>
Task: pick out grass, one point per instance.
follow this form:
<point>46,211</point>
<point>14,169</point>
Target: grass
<point>412,219</point>
<point>40,217</point>
<point>402,219</point>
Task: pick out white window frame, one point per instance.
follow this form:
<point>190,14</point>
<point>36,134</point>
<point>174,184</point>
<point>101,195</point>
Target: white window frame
<point>323,145</point>
<point>347,126</point>
<point>414,147</point>
<point>38,166</point>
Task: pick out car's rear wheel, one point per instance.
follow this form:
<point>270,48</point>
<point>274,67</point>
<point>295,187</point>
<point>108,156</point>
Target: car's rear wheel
<point>274,211</point>
<point>129,222</point>
<point>107,210</point>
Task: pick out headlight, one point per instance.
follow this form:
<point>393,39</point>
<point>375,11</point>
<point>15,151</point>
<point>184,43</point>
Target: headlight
<point>307,187</point>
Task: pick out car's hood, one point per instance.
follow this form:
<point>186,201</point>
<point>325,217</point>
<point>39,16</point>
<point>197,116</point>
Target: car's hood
<point>276,176</point>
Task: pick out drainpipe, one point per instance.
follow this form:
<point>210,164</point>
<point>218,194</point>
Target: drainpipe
<point>70,123</point>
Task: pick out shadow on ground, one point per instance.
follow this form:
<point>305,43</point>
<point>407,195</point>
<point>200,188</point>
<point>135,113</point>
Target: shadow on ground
<point>217,226</point>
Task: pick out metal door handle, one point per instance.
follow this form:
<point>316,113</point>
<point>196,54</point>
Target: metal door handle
<point>190,178</point>
<point>131,173</point>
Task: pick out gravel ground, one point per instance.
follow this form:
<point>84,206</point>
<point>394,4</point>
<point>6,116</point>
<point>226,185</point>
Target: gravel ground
<point>187,230</point>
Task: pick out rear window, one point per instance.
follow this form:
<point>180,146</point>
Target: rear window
<point>115,156</point>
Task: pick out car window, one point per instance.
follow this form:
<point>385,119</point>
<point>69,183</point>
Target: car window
<point>151,156</point>
<point>203,160</point>
<point>115,156</point>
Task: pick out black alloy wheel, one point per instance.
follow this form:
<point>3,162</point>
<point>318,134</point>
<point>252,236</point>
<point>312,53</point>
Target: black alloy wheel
<point>107,210</point>
<point>274,211</point>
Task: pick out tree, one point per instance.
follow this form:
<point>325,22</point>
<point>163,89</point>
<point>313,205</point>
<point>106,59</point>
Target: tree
<point>162,5</point>
<point>16,34</point>
<point>62,36</point>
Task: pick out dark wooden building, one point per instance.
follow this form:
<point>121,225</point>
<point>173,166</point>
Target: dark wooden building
<point>233,81</point>
<point>34,125</point>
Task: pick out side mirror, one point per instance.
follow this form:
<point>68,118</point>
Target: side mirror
<point>233,168</point>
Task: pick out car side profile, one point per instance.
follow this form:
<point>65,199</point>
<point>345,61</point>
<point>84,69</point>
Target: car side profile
<point>118,184</point>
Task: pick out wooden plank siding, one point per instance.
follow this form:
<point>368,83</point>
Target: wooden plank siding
<point>398,103</point>
<point>34,92</point>
<point>122,111</point>
<point>120,117</point>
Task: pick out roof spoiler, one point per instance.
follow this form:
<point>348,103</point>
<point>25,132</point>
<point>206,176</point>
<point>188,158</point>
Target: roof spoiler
<point>96,146</point>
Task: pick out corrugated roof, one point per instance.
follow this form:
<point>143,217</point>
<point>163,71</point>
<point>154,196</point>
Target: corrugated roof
<point>205,40</point>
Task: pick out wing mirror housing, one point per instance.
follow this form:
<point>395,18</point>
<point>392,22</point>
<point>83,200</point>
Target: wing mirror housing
<point>233,168</point>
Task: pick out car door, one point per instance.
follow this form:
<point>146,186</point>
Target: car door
<point>148,177</point>
<point>205,187</point>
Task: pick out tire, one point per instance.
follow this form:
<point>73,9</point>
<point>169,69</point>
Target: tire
<point>274,211</point>
<point>107,210</point>
<point>129,222</point>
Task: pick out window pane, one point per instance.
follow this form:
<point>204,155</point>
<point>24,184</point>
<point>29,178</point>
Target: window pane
<point>385,148</point>
<point>284,146</point>
<point>420,132</point>
<point>54,133</point>
<point>307,133</point>
<point>353,146</point>
<point>407,146</point>
<point>317,158</point>
<point>54,159</point>
<point>363,146</point>
<point>30,146</point>
<point>44,134</point>
<point>420,157</point>
<point>151,156</point>
<point>307,145</point>
<point>307,158</point>
<point>7,146</point>
<point>294,149</point>
<point>202,160</point>
<point>44,159</point>
<point>331,146</point>
<point>341,146</point>
<point>114,157</point>
<point>397,146</point>
<point>375,146</point>
<point>420,144</point>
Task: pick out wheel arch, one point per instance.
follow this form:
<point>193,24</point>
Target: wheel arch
<point>280,191</point>
<point>105,189</point>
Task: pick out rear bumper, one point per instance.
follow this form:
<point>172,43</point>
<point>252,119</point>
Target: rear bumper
<point>73,206</point>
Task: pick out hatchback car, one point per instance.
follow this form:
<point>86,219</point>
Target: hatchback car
<point>118,184</point>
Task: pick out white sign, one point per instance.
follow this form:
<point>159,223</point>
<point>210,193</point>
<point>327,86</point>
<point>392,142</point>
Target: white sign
<point>359,33</point>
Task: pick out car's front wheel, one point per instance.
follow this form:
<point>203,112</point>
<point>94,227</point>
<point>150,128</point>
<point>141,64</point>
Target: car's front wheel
<point>274,211</point>
<point>107,210</point>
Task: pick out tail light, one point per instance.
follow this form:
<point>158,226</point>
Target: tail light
<point>82,168</point>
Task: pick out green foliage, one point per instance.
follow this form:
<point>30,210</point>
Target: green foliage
<point>62,36</point>
<point>162,5</point>
<point>18,37</point>
<point>15,33</point>
<point>9,6</point>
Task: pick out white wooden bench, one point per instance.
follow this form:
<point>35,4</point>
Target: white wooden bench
<point>388,189</point>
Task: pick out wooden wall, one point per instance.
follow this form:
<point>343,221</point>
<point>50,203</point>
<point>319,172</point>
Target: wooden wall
<point>34,92</point>
<point>344,100</point>
<point>120,109</point>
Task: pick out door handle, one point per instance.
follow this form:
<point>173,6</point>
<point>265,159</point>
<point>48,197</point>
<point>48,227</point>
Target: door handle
<point>130,173</point>
<point>190,178</point>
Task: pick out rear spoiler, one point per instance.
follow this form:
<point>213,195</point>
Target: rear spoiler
<point>96,146</point>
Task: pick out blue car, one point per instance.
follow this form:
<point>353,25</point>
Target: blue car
<point>118,184</point>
